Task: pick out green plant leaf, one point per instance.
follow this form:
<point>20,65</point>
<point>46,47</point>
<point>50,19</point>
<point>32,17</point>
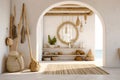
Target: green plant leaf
<point>51,41</point>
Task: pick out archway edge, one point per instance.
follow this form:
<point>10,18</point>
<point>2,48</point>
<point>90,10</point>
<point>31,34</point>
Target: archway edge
<point>39,37</point>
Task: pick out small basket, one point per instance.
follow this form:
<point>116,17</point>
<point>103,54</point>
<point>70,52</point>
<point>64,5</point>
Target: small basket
<point>53,58</point>
<point>47,59</point>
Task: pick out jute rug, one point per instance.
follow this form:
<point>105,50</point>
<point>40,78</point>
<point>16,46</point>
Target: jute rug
<point>74,69</point>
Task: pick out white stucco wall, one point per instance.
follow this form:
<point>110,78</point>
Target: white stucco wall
<point>4,29</point>
<point>108,9</point>
<point>51,24</point>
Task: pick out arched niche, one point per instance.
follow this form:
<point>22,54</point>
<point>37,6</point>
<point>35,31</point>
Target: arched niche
<point>39,28</point>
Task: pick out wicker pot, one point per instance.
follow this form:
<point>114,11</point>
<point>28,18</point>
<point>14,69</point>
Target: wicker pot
<point>52,46</point>
<point>15,62</point>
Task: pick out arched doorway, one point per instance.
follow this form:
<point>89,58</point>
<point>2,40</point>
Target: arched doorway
<point>98,41</point>
<point>40,27</point>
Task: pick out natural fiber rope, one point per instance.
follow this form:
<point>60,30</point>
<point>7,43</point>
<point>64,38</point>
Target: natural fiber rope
<point>74,69</point>
<point>34,65</point>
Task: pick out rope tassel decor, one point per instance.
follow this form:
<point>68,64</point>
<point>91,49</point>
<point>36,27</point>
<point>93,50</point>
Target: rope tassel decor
<point>23,34</point>
<point>23,31</point>
<point>66,30</point>
<point>85,18</point>
<point>14,32</point>
<point>14,29</point>
<point>81,27</point>
<point>77,21</point>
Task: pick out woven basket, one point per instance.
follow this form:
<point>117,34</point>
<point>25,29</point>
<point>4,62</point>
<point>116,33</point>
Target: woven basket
<point>15,62</point>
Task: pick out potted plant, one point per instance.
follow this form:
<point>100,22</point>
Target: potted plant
<point>52,41</point>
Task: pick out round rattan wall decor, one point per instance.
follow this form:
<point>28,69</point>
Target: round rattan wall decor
<point>67,32</point>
